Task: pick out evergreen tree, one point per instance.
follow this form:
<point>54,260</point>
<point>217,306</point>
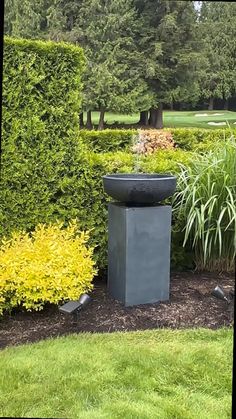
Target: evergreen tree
<point>218,29</point>
<point>62,18</point>
<point>25,18</point>
<point>113,80</point>
<point>169,38</point>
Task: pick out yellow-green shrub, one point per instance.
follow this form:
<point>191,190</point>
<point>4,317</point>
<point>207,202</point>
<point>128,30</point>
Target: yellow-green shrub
<point>47,266</point>
<point>166,161</point>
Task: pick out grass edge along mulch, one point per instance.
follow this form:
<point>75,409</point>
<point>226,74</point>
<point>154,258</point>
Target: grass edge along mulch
<point>150,374</point>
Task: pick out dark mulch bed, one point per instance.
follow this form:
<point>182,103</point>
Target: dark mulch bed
<point>191,305</point>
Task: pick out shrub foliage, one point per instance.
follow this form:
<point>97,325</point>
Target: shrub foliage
<point>108,139</point>
<point>49,170</point>
<point>40,160</point>
<point>47,266</point>
<point>48,173</point>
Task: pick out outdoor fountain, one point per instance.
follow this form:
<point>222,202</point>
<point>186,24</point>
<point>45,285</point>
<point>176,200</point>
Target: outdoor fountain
<point>139,233</point>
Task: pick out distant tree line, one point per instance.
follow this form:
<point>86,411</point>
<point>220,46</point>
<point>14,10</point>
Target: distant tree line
<point>142,55</point>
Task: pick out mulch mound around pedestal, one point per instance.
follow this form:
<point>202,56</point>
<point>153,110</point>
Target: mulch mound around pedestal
<point>191,305</point>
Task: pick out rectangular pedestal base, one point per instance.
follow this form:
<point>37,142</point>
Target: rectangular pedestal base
<point>139,253</point>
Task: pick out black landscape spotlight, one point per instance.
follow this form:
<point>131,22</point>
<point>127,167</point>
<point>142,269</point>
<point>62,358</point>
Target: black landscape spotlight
<point>74,306</point>
<point>219,293</point>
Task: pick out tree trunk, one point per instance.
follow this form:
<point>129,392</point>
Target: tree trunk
<point>81,119</point>
<point>101,120</point>
<point>172,105</point>
<point>153,117</point>
<point>159,120</point>
<point>226,105</point>
<point>143,118</point>
<point>89,123</point>
<point>211,104</point>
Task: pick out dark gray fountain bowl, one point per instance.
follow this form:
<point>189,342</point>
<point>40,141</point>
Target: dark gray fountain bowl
<point>139,189</point>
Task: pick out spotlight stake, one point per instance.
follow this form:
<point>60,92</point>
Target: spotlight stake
<point>74,306</point>
<point>219,293</point>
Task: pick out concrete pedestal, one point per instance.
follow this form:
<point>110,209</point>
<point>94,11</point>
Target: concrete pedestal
<point>139,253</point>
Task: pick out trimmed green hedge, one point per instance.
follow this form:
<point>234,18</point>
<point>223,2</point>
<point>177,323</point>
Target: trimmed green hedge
<point>41,158</point>
<point>195,138</point>
<point>108,139</point>
<point>121,139</point>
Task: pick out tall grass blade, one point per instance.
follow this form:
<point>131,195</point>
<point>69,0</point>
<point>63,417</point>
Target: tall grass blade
<point>205,205</point>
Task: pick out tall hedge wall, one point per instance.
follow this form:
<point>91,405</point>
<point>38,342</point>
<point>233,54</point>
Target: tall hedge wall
<point>40,160</point>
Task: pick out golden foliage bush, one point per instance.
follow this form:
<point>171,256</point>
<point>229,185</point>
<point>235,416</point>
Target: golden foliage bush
<point>151,140</point>
<point>49,265</point>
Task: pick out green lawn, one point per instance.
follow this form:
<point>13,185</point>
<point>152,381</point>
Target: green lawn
<point>152,374</point>
<point>176,119</point>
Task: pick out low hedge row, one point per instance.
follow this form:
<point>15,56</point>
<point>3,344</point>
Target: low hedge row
<point>108,139</point>
<point>122,139</point>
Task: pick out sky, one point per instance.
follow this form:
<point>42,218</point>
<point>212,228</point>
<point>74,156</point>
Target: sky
<point>197,5</point>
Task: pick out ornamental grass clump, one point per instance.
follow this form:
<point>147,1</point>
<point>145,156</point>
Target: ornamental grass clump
<point>50,265</point>
<point>206,206</point>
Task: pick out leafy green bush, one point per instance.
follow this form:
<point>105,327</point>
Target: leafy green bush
<point>108,139</point>
<point>47,266</point>
<point>206,206</point>
<point>166,161</point>
<point>196,138</point>
<point>41,155</point>
<point>46,172</point>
